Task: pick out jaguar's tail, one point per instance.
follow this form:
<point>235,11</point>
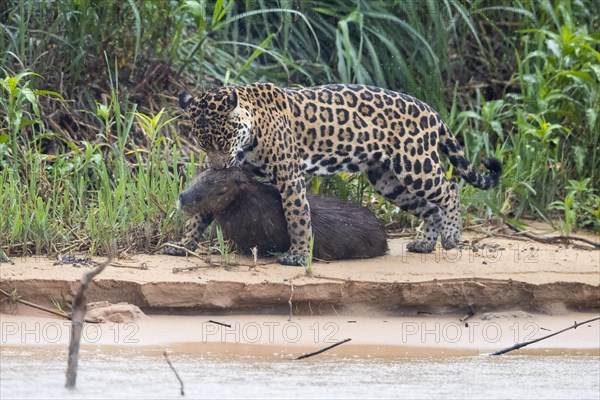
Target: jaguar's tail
<point>450,146</point>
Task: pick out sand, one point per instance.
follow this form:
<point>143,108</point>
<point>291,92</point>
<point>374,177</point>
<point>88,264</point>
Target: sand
<point>401,303</point>
<point>268,335</point>
<point>501,274</point>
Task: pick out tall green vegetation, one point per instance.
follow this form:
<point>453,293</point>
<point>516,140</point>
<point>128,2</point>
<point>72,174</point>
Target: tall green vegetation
<point>546,127</point>
<point>92,154</point>
<point>99,196</point>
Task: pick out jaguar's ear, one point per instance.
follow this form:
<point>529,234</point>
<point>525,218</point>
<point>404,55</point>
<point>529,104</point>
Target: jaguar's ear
<point>185,99</point>
<point>232,99</point>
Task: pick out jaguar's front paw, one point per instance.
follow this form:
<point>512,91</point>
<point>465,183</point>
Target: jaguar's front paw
<point>421,246</point>
<point>292,259</point>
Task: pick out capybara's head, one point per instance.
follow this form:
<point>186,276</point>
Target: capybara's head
<point>212,191</point>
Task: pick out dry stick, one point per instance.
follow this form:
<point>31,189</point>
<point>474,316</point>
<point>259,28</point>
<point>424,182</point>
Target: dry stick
<point>258,264</point>
<point>552,239</point>
<point>79,306</point>
<point>519,345</point>
<point>187,251</point>
<point>174,371</point>
<point>30,304</point>
<point>42,308</point>
<point>206,258</point>
<point>527,239</point>
<point>117,264</point>
<point>219,323</point>
<point>331,278</point>
<point>322,350</point>
<point>394,235</point>
<point>195,267</point>
<point>16,245</point>
<point>242,264</point>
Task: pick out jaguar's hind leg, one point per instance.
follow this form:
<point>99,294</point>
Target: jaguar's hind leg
<point>195,227</point>
<point>433,217</point>
<point>452,222</point>
<point>386,183</point>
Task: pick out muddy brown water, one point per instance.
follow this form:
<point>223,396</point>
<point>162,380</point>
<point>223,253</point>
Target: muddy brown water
<point>109,371</point>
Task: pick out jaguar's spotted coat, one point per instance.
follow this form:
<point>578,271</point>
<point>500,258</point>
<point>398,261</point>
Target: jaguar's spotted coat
<point>285,133</point>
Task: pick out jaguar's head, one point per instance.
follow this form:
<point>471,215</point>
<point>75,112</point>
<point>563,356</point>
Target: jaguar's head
<point>210,113</point>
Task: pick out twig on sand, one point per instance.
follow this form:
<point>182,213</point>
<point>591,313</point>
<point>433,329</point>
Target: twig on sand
<point>42,308</point>
<point>182,248</point>
<point>175,372</point>
<point>207,259</point>
<point>193,268</point>
<point>331,278</point>
<point>79,306</point>
<point>118,264</point>
<point>219,323</point>
<point>302,357</point>
<point>553,239</point>
<point>37,306</point>
<point>523,344</point>
<point>394,235</point>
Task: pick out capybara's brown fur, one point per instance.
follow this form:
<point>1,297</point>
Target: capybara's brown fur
<point>250,214</point>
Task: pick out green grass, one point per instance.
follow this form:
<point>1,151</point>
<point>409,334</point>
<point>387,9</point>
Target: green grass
<point>94,197</point>
<point>548,131</point>
<point>93,156</point>
<point>223,248</point>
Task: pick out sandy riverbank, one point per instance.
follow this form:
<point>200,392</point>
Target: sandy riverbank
<point>493,274</point>
<point>276,335</point>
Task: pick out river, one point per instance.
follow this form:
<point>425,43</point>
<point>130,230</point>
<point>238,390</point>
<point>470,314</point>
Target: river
<point>142,372</point>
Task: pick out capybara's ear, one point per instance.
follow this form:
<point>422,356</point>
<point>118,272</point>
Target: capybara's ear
<point>238,177</point>
<point>185,99</point>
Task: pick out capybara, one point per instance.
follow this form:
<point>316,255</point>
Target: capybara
<point>250,214</point>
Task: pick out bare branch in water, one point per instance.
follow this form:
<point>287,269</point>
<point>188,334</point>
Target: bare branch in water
<point>523,344</point>
<point>79,306</point>
<point>175,372</point>
<point>302,357</point>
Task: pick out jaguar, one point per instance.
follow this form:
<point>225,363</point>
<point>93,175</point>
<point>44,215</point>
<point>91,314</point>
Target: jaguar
<point>284,134</point>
